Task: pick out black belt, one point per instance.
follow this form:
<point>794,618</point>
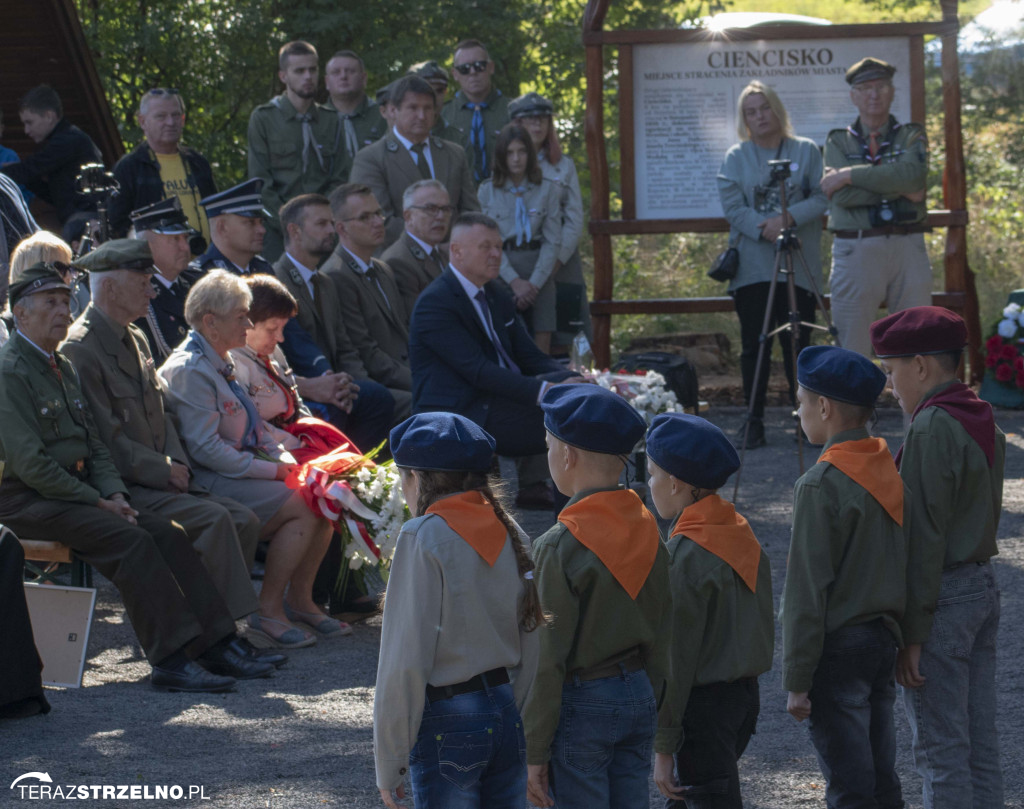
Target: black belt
<point>888,230</point>
<point>510,244</point>
<point>632,663</point>
<point>492,678</point>
<point>959,565</point>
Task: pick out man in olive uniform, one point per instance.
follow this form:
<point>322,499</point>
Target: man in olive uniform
<point>292,140</point>
<point>875,174</point>
<point>408,153</point>
<point>59,483</point>
<point>478,110</point>
<point>118,377</point>
<point>165,229</point>
<point>359,120</point>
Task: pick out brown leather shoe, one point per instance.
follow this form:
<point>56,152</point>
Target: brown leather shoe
<point>536,496</point>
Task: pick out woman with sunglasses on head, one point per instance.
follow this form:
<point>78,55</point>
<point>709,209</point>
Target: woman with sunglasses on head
<point>527,210</point>
<point>535,114</point>
<point>458,651</point>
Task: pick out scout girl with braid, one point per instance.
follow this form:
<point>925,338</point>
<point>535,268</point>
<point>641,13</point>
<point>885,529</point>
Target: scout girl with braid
<point>846,588</point>
<point>602,574</point>
<point>723,619</point>
<point>458,648</point>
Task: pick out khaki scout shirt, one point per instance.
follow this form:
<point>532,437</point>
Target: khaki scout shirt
<point>594,623</point>
<point>842,540</point>
<point>275,153</point>
<point>721,632</point>
<point>955,502</point>
<point>46,428</point>
<point>903,168</point>
<point>366,120</point>
<point>460,118</point>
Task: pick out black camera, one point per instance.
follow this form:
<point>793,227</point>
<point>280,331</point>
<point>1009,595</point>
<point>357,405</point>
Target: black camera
<point>781,170</point>
<point>886,213</point>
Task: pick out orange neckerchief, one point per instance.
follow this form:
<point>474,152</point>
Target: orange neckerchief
<point>620,531</point>
<point>470,516</point>
<point>868,463</point>
<point>714,525</point>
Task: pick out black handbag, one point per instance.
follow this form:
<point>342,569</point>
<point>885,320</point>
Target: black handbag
<point>725,267</point>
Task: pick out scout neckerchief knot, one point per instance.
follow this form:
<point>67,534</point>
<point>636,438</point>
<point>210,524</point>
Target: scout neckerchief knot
<point>524,234</point>
<point>873,151</point>
<point>478,138</point>
<point>309,143</point>
<point>713,524</point>
<point>974,415</point>
<point>868,463</point>
<point>620,532</point>
<point>351,138</point>
<point>472,517</point>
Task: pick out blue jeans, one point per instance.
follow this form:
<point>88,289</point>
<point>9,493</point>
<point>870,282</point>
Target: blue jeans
<point>718,722</point>
<point>851,723</point>
<point>601,752</point>
<point>470,753</point>
<point>953,715</point>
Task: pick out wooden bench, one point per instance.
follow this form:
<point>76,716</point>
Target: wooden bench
<point>53,555</point>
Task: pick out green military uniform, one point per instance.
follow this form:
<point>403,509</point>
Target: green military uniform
<point>842,538</point>
<point>721,631</point>
<point>459,114</point>
<point>955,507</point>
<point>56,470</point>
<point>278,154</point>
<point>900,166</point>
<point>119,380</point>
<point>443,129</point>
<point>594,624</point>
<point>367,121</point>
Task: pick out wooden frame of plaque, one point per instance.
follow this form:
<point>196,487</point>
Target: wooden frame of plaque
<point>959,293</point>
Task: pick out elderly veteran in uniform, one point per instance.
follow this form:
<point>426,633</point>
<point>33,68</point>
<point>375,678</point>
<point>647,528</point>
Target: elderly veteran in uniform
<point>875,175</point>
<point>59,483</point>
<point>237,454</point>
<point>167,232</point>
<point>118,377</point>
<point>418,257</point>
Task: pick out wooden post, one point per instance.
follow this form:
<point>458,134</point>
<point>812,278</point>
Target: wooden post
<point>959,277</point>
<point>604,287</point>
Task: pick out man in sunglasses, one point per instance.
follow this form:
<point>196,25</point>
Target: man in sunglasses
<point>162,167</point>
<point>418,257</point>
<point>478,110</point>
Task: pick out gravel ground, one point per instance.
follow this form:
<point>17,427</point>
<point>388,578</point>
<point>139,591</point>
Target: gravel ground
<point>304,739</point>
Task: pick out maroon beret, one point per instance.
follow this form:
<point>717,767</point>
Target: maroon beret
<point>918,330</point>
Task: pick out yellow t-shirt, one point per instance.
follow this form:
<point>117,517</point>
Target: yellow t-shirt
<point>175,180</point>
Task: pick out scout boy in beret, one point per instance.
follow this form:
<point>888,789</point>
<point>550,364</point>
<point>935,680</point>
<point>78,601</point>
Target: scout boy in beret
<point>952,462</point>
<point>602,574</point>
<point>845,589</point>
<point>723,619</point>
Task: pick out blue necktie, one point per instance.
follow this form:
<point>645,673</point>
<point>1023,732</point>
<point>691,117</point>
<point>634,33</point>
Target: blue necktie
<point>524,234</point>
<point>478,138</point>
<point>506,360</point>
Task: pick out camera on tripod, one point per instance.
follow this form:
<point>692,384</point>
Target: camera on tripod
<point>781,170</point>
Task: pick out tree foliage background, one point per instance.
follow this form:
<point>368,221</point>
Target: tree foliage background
<point>221,54</point>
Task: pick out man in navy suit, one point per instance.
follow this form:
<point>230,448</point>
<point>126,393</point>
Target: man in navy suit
<point>470,354</point>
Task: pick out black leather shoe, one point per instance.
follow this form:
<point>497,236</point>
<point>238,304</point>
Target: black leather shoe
<point>243,647</point>
<point>187,675</point>
<point>231,660</point>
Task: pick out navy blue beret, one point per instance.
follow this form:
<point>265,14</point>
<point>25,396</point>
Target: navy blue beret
<point>442,442</point>
<point>840,374</point>
<point>592,418</point>
<point>691,449</point>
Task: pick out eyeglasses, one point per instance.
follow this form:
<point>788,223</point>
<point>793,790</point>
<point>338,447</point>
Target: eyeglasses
<point>435,210</point>
<point>479,66</point>
<point>368,217</point>
<point>164,91</point>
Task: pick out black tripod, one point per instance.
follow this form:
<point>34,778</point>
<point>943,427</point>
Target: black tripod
<point>786,246</point>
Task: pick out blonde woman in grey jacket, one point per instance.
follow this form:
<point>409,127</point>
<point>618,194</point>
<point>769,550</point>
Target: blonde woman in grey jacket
<point>458,652</point>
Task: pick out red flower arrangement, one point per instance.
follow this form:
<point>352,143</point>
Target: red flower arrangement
<point>1003,359</point>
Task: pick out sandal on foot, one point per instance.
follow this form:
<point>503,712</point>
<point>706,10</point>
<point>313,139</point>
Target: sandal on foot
<point>291,638</point>
<point>318,622</point>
